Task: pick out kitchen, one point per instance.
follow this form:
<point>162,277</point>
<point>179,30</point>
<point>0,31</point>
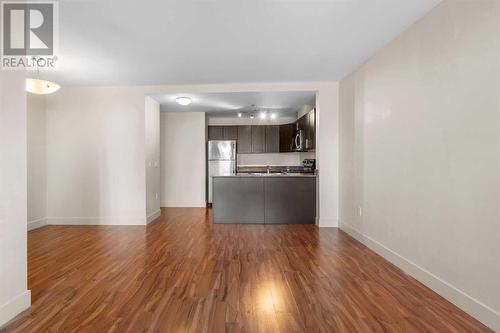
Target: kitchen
<point>261,164</point>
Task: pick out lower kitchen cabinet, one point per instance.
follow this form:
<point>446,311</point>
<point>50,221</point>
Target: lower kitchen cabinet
<point>264,199</point>
<point>238,199</point>
<point>290,200</point>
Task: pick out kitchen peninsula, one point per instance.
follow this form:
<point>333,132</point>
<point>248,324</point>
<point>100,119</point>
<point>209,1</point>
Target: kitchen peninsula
<point>264,198</point>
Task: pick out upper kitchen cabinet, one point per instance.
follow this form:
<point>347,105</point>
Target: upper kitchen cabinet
<point>215,132</point>
<point>302,123</point>
<point>244,145</point>
<point>267,138</point>
<point>286,132</point>
<point>307,123</point>
<point>222,132</point>
<point>311,130</point>
<point>258,139</point>
<point>272,139</point>
<point>230,132</point>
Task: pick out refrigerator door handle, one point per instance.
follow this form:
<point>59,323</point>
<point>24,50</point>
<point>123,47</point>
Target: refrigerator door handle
<point>235,157</point>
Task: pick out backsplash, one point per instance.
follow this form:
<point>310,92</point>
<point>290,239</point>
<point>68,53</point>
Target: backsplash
<point>278,159</point>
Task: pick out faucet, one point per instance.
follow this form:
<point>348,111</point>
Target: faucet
<point>268,169</point>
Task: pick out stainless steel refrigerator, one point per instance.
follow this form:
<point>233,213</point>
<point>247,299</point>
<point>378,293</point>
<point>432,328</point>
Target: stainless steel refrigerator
<point>221,160</point>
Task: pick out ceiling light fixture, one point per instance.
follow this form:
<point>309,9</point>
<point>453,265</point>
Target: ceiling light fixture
<point>39,86</point>
<point>273,115</point>
<point>183,100</point>
<point>263,115</point>
<point>252,116</point>
<point>240,114</point>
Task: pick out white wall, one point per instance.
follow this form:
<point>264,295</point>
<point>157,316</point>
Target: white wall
<point>14,296</point>
<point>96,156</point>
<point>420,153</point>
<point>152,141</point>
<point>327,154</point>
<point>37,177</point>
<point>183,159</point>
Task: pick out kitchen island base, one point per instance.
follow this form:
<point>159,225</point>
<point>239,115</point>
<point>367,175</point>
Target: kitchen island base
<point>264,199</point>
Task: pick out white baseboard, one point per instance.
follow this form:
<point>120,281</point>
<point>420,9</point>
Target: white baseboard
<point>154,216</point>
<point>15,306</point>
<point>475,308</point>
<point>95,221</point>
<point>328,223</point>
<point>185,205</point>
<point>35,224</point>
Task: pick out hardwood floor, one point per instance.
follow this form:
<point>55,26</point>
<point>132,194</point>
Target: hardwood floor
<point>183,274</point>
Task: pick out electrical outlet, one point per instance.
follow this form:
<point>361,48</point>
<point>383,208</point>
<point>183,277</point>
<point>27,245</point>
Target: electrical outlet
<point>360,211</point>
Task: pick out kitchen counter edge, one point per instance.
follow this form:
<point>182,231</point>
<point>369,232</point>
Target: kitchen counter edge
<point>246,175</point>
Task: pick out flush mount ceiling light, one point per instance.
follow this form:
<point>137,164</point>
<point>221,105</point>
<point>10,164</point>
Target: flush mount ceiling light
<point>251,117</point>
<point>41,87</point>
<point>183,100</point>
<point>240,114</point>
<point>263,115</point>
<point>274,115</point>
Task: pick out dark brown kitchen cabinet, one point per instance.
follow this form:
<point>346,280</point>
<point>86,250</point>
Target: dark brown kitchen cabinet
<point>215,132</point>
<point>272,138</point>
<point>266,138</point>
<point>286,132</point>
<point>311,130</point>
<point>302,123</point>
<point>230,132</point>
<point>307,123</point>
<point>258,139</point>
<point>222,132</point>
<point>244,145</point>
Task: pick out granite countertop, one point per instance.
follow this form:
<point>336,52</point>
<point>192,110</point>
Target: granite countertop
<point>273,169</point>
<point>267,175</point>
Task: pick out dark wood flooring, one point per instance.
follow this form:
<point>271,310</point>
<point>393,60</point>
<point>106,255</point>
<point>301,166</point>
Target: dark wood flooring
<point>183,274</point>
